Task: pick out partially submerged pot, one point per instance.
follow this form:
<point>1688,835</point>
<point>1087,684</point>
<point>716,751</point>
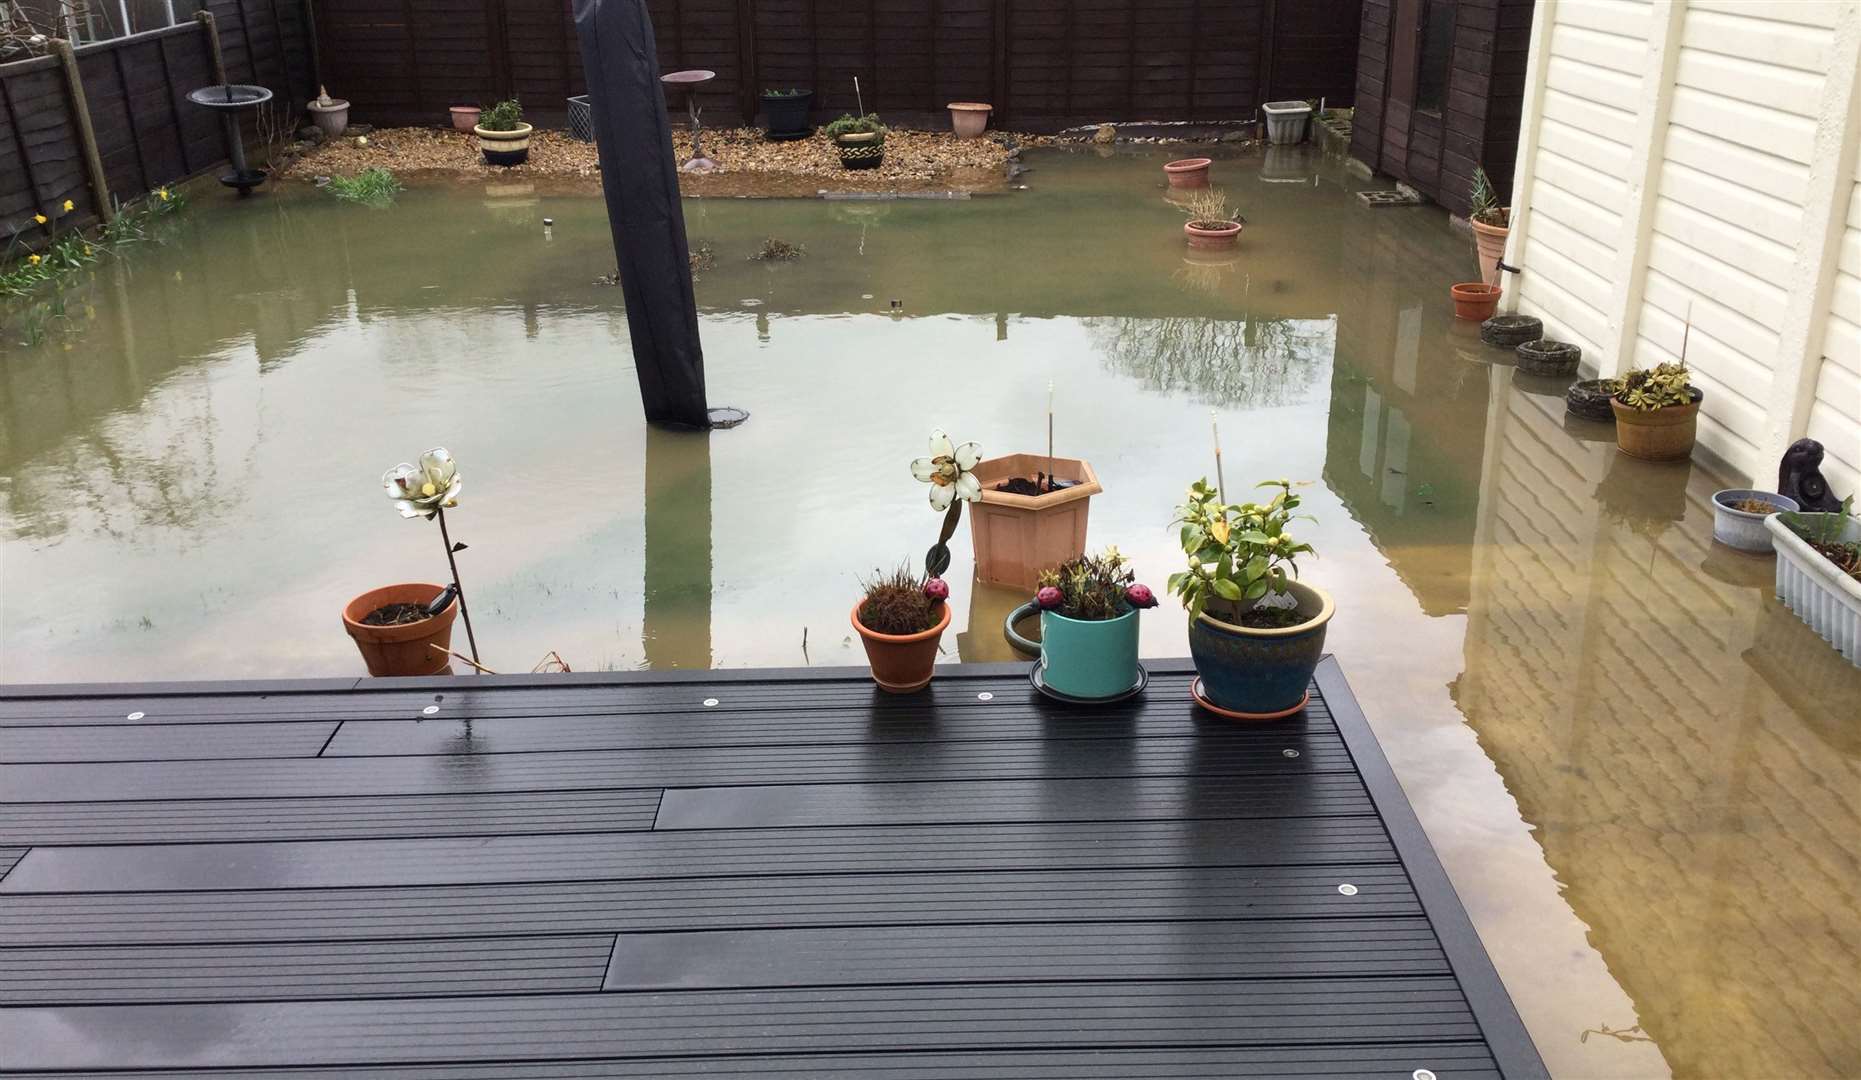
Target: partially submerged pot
<point>1089,658</point>
<point>1591,400</point>
<point>1260,673</point>
<point>1015,537</point>
<point>406,649</point>
<point>1508,332</point>
<point>902,663</point>
<point>1489,243</point>
<point>1188,172</point>
<point>1743,529</point>
<point>1664,434</point>
<point>1474,301</point>
<point>969,118</point>
<point>1546,357</point>
<point>1824,597</point>
<point>1212,234</point>
<point>1286,121</point>
<point>504,148</point>
<point>465,117</point>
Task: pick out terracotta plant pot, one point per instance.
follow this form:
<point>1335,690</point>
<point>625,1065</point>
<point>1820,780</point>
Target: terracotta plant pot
<point>1664,434</point>
<point>1489,241</point>
<point>1474,301</point>
<point>901,663</point>
<point>969,118</point>
<point>1208,234</point>
<point>1260,673</point>
<point>465,117</point>
<point>504,148</point>
<point>1188,172</point>
<point>404,649</point>
<point>1015,537</point>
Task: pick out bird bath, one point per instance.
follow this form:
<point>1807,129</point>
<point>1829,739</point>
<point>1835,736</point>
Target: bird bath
<point>229,100</point>
<point>689,81</point>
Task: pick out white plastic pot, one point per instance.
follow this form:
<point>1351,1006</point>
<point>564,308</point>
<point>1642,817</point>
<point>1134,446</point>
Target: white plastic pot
<point>1286,121</point>
<point>1810,585</point>
<point>1743,529</point>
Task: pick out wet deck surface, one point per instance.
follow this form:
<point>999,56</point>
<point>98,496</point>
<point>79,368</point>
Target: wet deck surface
<point>746,873</point>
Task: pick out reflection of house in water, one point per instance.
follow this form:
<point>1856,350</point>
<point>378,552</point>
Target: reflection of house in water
<point>1408,415</point>
<point>1684,746</point>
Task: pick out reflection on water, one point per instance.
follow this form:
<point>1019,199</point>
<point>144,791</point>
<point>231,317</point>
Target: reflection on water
<point>1635,764</point>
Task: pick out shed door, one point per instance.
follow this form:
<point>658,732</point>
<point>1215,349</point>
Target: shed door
<point>1421,46</point>
<point>1399,102</point>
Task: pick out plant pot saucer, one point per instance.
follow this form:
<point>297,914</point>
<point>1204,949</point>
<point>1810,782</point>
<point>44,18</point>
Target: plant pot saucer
<point>1143,680</point>
<point>1195,691</point>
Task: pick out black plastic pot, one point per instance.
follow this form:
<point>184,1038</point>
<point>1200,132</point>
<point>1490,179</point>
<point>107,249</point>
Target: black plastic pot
<point>1590,400</point>
<point>1547,357</point>
<point>788,115</point>
<point>1511,331</point>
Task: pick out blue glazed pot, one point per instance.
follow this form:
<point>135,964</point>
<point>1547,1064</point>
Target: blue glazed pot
<point>1088,658</point>
<point>1261,671</point>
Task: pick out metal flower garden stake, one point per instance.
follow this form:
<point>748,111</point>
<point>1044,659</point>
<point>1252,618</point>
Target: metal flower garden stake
<point>426,490</point>
<point>947,471</point>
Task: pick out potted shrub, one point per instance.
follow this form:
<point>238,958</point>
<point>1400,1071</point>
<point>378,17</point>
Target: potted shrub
<point>1656,413</point>
<point>1212,222</point>
<point>1474,301</point>
<point>1256,634</point>
<point>1088,628</point>
<point>1819,573</point>
<point>1491,224</point>
<point>407,629</point>
<point>1188,172</point>
<point>969,118</point>
<point>787,113</point>
<point>331,115</point>
<point>502,135</point>
<point>860,140</point>
<point>1738,518</point>
<point>465,117</point>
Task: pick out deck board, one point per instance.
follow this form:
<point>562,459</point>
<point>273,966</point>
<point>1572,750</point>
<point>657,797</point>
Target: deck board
<point>776,874</point>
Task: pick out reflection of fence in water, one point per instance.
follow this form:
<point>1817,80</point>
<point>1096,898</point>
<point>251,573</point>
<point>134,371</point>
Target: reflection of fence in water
<point>1226,362</point>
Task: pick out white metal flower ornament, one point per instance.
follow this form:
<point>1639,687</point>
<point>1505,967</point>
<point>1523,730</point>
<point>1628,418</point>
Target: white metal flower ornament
<point>947,471</point>
<point>425,489</point>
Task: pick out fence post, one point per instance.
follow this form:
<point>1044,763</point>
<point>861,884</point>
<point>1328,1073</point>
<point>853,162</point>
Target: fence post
<point>87,136</point>
<point>747,94</point>
<point>206,19</point>
<point>310,38</point>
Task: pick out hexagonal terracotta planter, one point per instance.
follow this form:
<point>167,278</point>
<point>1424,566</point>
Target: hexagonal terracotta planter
<point>1017,536</point>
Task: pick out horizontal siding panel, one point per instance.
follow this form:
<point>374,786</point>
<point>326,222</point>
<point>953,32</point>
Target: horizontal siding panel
<point>1624,18</point>
<point>1817,13</point>
<point>1610,51</point>
<point>1582,181</point>
<point>1743,251</point>
<point>1726,285</point>
<point>1731,325</point>
<point>1600,84</point>
<point>1742,124</point>
<point>1577,144</point>
<point>1784,89</point>
<point>1841,344</point>
<point>1598,225</point>
<point>1765,215</point>
<point>1762,39</point>
<point>1766,173</point>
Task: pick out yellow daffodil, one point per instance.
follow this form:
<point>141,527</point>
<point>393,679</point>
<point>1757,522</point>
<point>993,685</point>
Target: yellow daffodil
<point>33,259</point>
<point>68,206</point>
<point>40,218</point>
<point>162,194</point>
<point>87,250</point>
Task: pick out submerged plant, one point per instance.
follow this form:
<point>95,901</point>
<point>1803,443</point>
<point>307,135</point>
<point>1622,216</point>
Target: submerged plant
<point>1483,202</point>
<point>899,602</point>
<point>775,249</point>
<point>1093,588</point>
<point>373,186</point>
<point>1239,554</point>
<point>428,490</point>
<point>1647,389</point>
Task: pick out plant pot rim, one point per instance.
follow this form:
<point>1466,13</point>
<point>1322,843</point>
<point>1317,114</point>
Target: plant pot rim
<point>335,105</point>
<point>900,639</point>
<point>1188,164</point>
<point>518,132</point>
<point>1128,613</point>
<point>856,138</point>
<point>970,106</point>
<point>1492,230</point>
<point>1087,487</point>
<point>1622,410</point>
<point>1198,228</point>
<point>1325,611</point>
<point>400,631</point>
<point>770,95</point>
<point>1781,502</point>
<point>1474,290</point>
<point>466,108</point>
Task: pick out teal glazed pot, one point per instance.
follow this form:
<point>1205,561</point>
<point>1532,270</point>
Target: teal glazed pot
<point>1261,672</point>
<point>1088,658</point>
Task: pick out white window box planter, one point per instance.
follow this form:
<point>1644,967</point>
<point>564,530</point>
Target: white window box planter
<point>1820,594</point>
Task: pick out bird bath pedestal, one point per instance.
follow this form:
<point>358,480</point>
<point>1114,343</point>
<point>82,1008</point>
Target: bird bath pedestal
<point>689,81</point>
<point>229,100</point>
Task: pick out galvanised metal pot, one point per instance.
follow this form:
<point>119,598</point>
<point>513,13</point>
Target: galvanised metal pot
<point>1261,672</point>
<point>1089,658</point>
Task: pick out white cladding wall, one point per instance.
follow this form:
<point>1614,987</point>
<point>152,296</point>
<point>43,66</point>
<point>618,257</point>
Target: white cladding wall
<point>1697,158</point>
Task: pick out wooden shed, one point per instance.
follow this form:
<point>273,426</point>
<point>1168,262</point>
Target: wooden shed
<point>1440,84</point>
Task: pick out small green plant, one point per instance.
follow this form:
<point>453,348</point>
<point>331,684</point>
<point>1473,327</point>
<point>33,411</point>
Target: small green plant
<point>849,124</point>
<point>777,250</point>
<point>1208,208</point>
<point>897,602</point>
<point>1239,554</point>
<point>1648,389</point>
<point>373,186</point>
<point>1824,533</point>
<point>790,92</point>
<point>1092,588</point>
<point>506,115</point>
<point>1483,202</point>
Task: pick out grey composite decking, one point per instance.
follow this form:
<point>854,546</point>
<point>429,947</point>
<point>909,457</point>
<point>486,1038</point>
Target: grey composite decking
<point>582,876</point>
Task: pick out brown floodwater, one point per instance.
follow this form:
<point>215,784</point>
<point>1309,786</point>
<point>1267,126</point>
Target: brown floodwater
<point>1642,773</point>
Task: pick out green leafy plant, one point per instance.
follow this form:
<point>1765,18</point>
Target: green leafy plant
<point>373,186</point>
<point>1089,587</point>
<point>1648,389</point>
<point>790,92</point>
<point>1483,202</point>
<point>506,115</point>
<point>1239,554</point>
<point>1824,533</point>
<point>898,602</point>
<point>849,124</point>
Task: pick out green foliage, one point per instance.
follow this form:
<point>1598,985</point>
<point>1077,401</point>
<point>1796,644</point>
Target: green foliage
<point>790,92</point>
<point>1483,202</point>
<point>55,268</point>
<point>1091,586</point>
<point>373,186</point>
<point>506,115</point>
<point>1820,528</point>
<point>1648,389</point>
<point>895,603</point>
<point>1237,553</point>
<point>849,124</point>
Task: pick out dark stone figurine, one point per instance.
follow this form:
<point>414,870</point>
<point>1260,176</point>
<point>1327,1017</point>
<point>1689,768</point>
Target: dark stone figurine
<point>1799,477</point>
